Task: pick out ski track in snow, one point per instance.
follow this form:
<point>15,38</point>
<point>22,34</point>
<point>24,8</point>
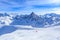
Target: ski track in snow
<point>51,33</point>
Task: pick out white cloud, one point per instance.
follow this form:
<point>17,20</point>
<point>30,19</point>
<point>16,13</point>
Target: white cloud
<point>55,1</point>
<point>27,6</point>
<point>42,2</point>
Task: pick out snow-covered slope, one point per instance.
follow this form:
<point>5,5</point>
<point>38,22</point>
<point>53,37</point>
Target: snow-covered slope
<point>30,27</point>
<point>51,33</point>
<point>5,19</point>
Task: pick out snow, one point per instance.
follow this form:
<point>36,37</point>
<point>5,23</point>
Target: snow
<point>50,33</point>
<point>48,16</point>
<point>22,26</point>
<point>6,20</point>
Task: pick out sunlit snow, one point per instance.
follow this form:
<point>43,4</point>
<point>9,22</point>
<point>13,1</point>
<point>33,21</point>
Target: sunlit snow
<point>50,33</point>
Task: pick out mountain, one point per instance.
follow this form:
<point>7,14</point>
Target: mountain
<point>5,19</point>
<point>3,14</point>
<point>54,18</point>
<point>50,19</point>
<point>35,20</point>
<point>26,20</point>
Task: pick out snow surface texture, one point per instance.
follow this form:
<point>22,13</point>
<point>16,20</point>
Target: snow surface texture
<point>50,33</point>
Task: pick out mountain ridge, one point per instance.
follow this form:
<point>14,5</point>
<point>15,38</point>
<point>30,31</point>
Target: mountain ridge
<point>35,20</point>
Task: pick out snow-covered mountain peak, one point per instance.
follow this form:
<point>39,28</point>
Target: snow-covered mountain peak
<point>5,19</point>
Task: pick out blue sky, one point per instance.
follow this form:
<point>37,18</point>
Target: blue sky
<point>27,6</point>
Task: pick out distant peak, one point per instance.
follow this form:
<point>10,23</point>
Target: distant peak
<point>4,14</point>
<point>32,13</point>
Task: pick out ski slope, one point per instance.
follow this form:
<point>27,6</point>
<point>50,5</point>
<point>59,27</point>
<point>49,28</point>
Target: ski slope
<point>50,33</point>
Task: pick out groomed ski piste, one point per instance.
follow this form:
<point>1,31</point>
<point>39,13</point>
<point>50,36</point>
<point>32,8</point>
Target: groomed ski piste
<point>49,33</point>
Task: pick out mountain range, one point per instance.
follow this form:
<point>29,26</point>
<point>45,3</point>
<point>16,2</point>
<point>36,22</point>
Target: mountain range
<point>37,20</point>
<point>34,20</point>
